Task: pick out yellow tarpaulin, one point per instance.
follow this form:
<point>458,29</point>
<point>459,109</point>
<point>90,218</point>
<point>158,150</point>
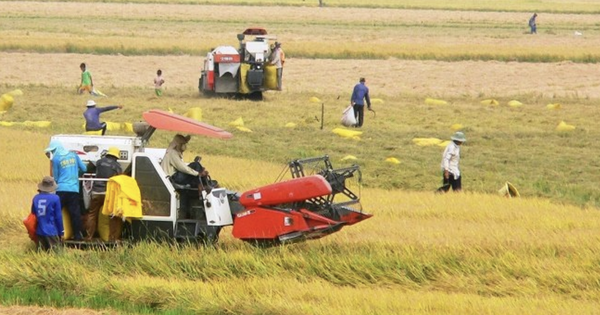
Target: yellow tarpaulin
<point>349,158</point>
<point>515,103</point>
<point>553,106</point>
<point>346,133</point>
<point>392,160</point>
<point>244,129</point>
<point>433,101</point>
<point>490,102</point>
<point>563,126</point>
<point>237,123</point>
<point>456,127</point>
<point>424,142</point>
<point>194,113</point>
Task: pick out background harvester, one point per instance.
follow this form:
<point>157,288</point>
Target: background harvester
<point>242,71</point>
<point>308,206</point>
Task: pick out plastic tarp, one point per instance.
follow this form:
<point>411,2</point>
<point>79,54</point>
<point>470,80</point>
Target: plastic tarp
<point>392,160</point>
<point>515,103</point>
<point>425,142</point>
<point>563,126</point>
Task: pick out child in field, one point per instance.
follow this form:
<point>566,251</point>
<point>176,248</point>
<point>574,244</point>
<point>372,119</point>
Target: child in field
<point>158,82</point>
<point>47,209</point>
<point>87,84</point>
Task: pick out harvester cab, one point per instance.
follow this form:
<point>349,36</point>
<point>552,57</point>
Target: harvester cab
<point>242,71</point>
<point>315,202</point>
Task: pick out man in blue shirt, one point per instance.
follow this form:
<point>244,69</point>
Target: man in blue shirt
<point>46,208</point>
<point>359,95</point>
<point>92,116</point>
<point>532,24</point>
<point>66,166</point>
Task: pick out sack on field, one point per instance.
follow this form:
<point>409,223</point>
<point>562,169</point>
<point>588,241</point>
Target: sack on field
<point>348,118</point>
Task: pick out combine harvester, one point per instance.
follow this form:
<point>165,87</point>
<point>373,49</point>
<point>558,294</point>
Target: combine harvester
<point>314,203</point>
<point>243,71</point>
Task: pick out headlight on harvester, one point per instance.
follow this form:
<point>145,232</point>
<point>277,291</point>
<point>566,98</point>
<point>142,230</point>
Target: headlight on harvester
<point>288,221</point>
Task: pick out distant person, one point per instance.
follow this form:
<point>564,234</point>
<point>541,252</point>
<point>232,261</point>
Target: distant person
<point>66,167</point>
<point>87,83</point>
<point>278,59</point>
<point>48,212</point>
<point>360,94</point>
<point>158,82</point>
<point>450,160</point>
<point>532,24</point>
<point>92,116</point>
<point>106,167</point>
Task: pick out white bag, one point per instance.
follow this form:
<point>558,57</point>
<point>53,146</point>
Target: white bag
<point>348,118</point>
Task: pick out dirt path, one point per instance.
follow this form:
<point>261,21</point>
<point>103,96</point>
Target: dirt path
<point>385,77</point>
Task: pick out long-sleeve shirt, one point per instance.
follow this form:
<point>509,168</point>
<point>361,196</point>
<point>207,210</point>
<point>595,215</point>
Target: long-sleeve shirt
<point>66,166</point>
<point>47,209</point>
<point>173,161</point>
<point>92,116</point>
<point>360,94</point>
<point>451,158</point>
<point>276,58</point>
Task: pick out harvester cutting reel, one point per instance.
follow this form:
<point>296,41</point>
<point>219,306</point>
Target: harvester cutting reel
<point>337,178</point>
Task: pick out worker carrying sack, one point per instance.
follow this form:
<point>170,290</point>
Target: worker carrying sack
<point>348,118</point>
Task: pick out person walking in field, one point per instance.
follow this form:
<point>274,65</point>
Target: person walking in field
<point>66,166</point>
<point>87,83</point>
<point>158,82</point>
<point>92,116</point>
<point>450,159</point>
<point>48,212</point>
<point>106,167</point>
<point>360,94</point>
<point>532,24</point>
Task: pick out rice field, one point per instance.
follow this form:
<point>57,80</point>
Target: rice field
<point>421,253</point>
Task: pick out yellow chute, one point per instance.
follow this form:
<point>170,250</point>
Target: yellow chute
<point>563,126</point>
<point>237,123</point>
<point>515,103</point>
<point>424,142</point>
<point>194,113</point>
<point>490,102</point>
<point>433,101</point>
<point>392,160</point>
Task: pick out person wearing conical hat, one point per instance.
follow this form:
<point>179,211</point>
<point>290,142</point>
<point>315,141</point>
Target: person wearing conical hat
<point>450,160</point>
<point>106,167</point>
<point>47,210</point>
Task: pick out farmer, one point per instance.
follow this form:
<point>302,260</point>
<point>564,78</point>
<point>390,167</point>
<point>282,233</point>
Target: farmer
<point>92,116</point>
<point>47,210</point>
<point>66,166</point>
<point>87,84</point>
<point>106,167</point>
<point>174,166</point>
<point>532,24</point>
<point>278,59</point>
<point>359,95</point>
<point>450,160</point>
